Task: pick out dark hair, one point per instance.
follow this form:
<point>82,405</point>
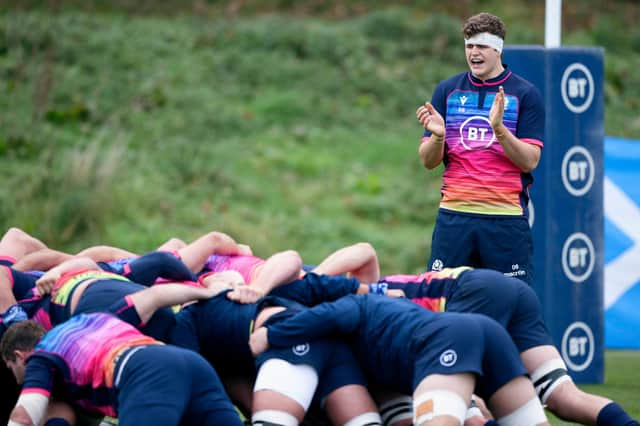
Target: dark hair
<point>22,336</point>
<point>484,23</point>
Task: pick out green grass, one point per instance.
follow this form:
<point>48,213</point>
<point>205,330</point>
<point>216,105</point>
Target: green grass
<point>128,129</point>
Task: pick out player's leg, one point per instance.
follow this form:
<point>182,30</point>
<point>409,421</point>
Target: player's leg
<point>163,384</point>
<point>342,390</point>
<point>208,403</point>
<point>452,242</point>
<point>442,400</point>
<point>506,245</point>
<point>60,413</point>
<point>445,369</point>
<point>557,390</point>
<point>282,392</point>
<point>395,409</point>
<point>510,395</point>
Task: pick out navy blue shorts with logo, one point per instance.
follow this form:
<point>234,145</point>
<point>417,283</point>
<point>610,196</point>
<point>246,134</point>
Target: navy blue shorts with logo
<point>167,385</point>
<point>456,343</point>
<point>509,301</point>
<point>500,243</point>
<point>331,359</point>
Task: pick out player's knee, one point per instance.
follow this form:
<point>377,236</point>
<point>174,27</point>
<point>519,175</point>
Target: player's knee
<point>397,411</point>
<point>547,377</point>
<point>273,418</point>
<point>296,382</point>
<point>528,414</point>
<point>365,419</point>
<point>436,403</point>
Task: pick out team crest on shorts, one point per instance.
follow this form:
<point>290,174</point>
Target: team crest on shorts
<point>448,358</point>
<point>301,349</point>
<point>437,265</point>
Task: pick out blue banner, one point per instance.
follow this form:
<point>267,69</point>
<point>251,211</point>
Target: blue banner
<point>567,201</point>
<point>622,243</point>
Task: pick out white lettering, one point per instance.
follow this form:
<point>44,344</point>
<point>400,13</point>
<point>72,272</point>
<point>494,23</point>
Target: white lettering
<point>578,170</point>
<point>578,257</point>
<point>577,346</point>
<point>577,87</point>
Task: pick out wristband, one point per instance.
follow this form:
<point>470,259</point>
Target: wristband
<point>378,288</point>
<point>14,314</point>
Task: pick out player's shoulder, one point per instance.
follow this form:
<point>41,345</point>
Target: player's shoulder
<point>455,81</point>
<point>517,81</point>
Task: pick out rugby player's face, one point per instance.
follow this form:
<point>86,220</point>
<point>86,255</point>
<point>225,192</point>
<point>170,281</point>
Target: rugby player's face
<point>484,61</point>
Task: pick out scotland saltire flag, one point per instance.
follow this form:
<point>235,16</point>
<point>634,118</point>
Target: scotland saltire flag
<point>622,243</point>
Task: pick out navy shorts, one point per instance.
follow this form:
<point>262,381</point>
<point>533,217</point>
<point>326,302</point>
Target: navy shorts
<point>455,343</point>
<point>331,359</point>
<point>500,243</point>
<point>167,385</point>
<point>507,300</point>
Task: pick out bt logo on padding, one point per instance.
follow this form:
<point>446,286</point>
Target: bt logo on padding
<point>578,171</point>
<point>578,346</point>
<point>577,88</point>
<point>578,257</point>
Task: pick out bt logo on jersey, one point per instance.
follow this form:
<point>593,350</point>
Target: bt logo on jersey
<point>476,133</point>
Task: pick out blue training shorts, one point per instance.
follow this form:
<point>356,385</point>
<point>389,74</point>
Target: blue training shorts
<point>500,243</point>
<point>331,359</point>
<point>507,300</point>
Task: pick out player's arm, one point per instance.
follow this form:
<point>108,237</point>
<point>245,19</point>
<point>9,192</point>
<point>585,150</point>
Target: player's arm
<point>29,410</point>
<point>104,253</point>
<point>46,283</point>
<point>31,407</point>
<point>324,320</point>
<point>358,260</point>
<point>279,269</point>
<point>525,156</point>
<point>431,149</point>
<point>41,260</point>
<point>149,300</point>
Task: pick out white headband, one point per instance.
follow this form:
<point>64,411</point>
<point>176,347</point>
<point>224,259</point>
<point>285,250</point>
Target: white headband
<point>486,39</point>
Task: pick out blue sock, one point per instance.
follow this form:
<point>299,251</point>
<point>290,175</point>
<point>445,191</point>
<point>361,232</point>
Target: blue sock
<point>57,421</point>
<point>613,414</point>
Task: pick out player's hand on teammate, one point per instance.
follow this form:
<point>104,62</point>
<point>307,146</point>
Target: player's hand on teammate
<point>220,281</point>
<point>46,283</point>
<point>258,341</point>
<point>245,294</point>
